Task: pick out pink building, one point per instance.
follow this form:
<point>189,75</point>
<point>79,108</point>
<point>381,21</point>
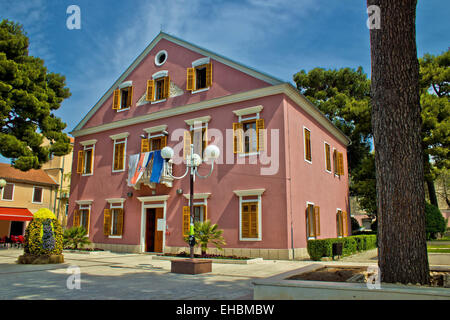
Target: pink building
<point>281,178</point>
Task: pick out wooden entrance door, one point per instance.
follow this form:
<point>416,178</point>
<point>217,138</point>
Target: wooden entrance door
<point>153,237</point>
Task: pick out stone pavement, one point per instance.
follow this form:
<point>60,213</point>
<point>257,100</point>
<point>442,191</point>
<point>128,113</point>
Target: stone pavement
<point>136,276</point>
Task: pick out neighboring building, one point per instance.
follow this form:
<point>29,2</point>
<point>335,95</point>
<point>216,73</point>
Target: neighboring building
<point>24,194</point>
<point>281,179</point>
<point>59,168</point>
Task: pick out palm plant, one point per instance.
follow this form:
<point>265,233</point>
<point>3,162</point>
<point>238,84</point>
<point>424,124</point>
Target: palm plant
<point>206,233</point>
<point>74,237</point>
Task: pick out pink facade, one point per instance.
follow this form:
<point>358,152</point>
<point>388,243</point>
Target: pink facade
<point>291,183</point>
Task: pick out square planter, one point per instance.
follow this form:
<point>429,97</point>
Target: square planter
<point>191,266</point>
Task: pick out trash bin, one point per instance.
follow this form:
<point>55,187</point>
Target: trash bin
<point>337,249</point>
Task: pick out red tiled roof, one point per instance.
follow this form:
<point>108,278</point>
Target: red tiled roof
<point>11,174</point>
<point>15,214</point>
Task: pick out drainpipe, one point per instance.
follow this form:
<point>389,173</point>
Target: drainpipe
<point>60,186</point>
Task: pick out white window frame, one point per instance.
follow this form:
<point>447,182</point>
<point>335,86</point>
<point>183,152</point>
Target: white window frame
<point>118,139</point>
<point>196,124</point>
<point>246,114</point>
<point>331,157</point>
<point>195,64</point>
<point>115,203</point>
<point>304,144</point>
<point>306,221</point>
<point>250,193</point>
<point>89,144</point>
<point>124,85</point>
<point>84,206</point>
<point>156,76</point>
<point>333,170</point>
<point>42,195</point>
<point>157,58</point>
<point>200,199</point>
<point>3,189</point>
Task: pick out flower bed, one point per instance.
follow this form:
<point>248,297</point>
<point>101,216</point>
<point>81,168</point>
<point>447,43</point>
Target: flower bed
<point>206,256</point>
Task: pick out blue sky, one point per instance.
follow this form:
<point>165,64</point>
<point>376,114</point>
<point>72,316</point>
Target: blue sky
<point>278,37</point>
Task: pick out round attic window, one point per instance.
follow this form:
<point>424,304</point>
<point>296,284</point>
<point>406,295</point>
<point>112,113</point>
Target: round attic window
<point>161,58</point>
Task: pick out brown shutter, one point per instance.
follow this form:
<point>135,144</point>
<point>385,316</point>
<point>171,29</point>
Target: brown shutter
<point>122,156</point>
<point>186,220</point>
<point>107,222</point>
<point>80,162</point>
<point>150,89</point>
<point>116,156</point>
<point>130,97</point>
<point>345,223</point>
<point>327,157</point>
<point>317,219</point>
<point>88,220</point>
<point>76,218</point>
<point>116,100</point>
<point>187,144</point>
<point>238,129</point>
<point>190,79</point>
<point>166,87</point>
<point>205,215</point>
<point>209,75</point>
<point>341,163</point>
<point>163,142</point>
<point>120,222</point>
<point>260,132</point>
<point>145,145</point>
<point>308,144</point>
<point>335,162</point>
<point>254,220</point>
<point>245,221</point>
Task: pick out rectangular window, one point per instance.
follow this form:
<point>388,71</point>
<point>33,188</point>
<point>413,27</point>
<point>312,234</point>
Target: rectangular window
<point>119,155</point>
<point>200,215</point>
<point>307,137</point>
<point>37,194</point>
<point>312,221</point>
<point>199,77</point>
<point>338,162</point>
<point>199,139</point>
<point>157,143</point>
<point>159,89</point>
<point>8,192</point>
<point>122,98</point>
<point>249,220</point>
<point>341,223</point>
<point>249,135</point>
<point>88,154</point>
<point>327,157</point>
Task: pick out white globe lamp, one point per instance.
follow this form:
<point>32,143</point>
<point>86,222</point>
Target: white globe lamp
<point>212,152</point>
<point>167,153</point>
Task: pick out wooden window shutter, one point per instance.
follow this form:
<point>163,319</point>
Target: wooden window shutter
<point>88,220</point>
<point>122,156</point>
<point>116,100</point>
<point>205,215</point>
<point>145,145</point>
<point>166,87</point>
<point>116,156</point>
<point>327,157</point>
<point>80,162</point>
<point>341,163</point>
<point>120,222</point>
<point>317,219</point>
<point>76,218</point>
<point>254,220</point>
<point>308,145</point>
<point>245,221</point>
<point>345,223</point>
<point>150,90</point>
<point>260,132</point>
<point>187,144</point>
<point>186,220</point>
<point>190,79</point>
<point>130,97</point>
<point>107,222</point>
<point>163,142</point>
<point>238,146</point>
<point>209,75</point>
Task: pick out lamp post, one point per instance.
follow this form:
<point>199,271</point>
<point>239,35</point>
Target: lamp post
<point>193,161</point>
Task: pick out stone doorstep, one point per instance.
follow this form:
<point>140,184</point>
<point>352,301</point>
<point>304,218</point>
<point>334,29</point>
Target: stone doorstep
<point>223,261</point>
<point>279,280</point>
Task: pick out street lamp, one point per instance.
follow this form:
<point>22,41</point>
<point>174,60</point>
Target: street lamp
<point>193,161</point>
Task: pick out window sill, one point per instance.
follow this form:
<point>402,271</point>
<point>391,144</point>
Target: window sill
<point>158,101</point>
<point>311,238</point>
<point>327,171</point>
<point>121,170</point>
<point>7,199</point>
<point>37,202</point>
<point>87,174</point>
<point>115,237</point>
<point>250,239</point>
<point>309,161</point>
<point>200,90</point>
<point>124,109</point>
<point>248,154</point>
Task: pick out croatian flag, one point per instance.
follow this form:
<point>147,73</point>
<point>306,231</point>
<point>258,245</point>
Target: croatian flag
<point>140,168</point>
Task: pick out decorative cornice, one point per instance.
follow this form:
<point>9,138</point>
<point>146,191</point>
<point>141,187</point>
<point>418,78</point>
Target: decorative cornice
<point>246,111</point>
<point>204,119</point>
<point>88,142</point>
<point>156,129</point>
<point>153,198</point>
<point>197,195</point>
<point>81,202</point>
<point>120,136</point>
<point>126,84</point>
<point>249,192</point>
<point>115,200</point>
<point>160,74</point>
<point>200,62</point>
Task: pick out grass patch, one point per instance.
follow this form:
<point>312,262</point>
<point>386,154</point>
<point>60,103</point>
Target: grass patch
<point>438,250</point>
<point>439,246</point>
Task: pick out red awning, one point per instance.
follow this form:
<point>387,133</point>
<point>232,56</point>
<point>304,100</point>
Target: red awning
<point>15,214</point>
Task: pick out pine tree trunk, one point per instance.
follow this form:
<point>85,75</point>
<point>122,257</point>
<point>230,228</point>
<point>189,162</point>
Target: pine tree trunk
<point>396,123</point>
<point>431,191</point>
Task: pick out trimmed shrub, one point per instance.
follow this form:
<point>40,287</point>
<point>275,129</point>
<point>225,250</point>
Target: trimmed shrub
<point>318,249</point>
<point>434,221</point>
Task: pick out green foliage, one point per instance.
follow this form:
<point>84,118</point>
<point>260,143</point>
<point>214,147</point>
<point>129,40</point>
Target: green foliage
<point>364,185</point>
<point>205,233</point>
<point>28,96</point>
<point>75,237</point>
<point>435,222</point>
<point>350,245</point>
<point>37,240</point>
<point>355,224</point>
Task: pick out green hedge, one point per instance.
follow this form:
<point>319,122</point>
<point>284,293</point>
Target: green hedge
<point>350,245</point>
